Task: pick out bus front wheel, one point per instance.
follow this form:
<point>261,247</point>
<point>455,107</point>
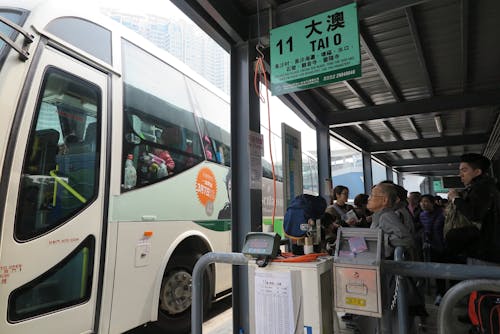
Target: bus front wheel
<point>174,314</point>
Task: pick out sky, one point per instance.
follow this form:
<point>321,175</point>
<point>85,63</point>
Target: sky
<point>157,7</point>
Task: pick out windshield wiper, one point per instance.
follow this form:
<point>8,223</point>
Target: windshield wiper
<point>28,39</point>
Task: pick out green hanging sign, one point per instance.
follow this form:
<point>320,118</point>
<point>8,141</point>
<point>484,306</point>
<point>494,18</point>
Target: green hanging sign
<point>316,51</point>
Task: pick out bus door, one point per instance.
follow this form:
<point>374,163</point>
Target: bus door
<point>52,224</point>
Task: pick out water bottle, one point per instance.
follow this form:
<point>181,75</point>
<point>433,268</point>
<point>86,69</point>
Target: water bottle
<point>130,178</point>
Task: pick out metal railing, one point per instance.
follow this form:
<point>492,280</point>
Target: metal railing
<point>476,277</point>
<point>198,270</point>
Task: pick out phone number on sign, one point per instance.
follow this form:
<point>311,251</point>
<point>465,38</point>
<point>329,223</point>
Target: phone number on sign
<point>339,75</point>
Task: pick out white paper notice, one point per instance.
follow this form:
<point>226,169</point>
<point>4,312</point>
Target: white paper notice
<point>256,149</point>
<point>274,305</point>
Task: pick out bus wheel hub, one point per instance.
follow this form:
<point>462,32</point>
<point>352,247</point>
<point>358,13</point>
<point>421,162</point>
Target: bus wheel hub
<point>175,294</point>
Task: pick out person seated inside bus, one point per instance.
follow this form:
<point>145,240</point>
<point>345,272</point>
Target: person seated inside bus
<point>164,158</point>
<point>207,147</point>
<point>167,138</point>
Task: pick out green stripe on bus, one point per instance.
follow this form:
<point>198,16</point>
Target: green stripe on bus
<point>216,225</point>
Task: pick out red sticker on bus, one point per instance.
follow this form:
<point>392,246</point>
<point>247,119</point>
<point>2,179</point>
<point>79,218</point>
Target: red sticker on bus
<point>206,186</point>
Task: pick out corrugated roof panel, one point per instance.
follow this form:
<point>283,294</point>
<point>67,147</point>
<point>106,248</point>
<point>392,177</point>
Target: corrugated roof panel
<point>391,35</point>
<point>439,26</point>
<point>339,91</point>
<point>484,46</point>
<point>402,126</point>
<point>426,124</point>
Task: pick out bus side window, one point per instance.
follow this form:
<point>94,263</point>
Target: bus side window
<point>159,122</point>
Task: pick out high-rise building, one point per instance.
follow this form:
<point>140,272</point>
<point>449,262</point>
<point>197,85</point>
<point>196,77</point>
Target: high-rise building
<point>184,40</point>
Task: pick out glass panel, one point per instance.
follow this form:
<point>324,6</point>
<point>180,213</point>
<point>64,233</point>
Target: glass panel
<point>13,16</point>
<point>347,168</point>
<point>76,31</point>
<point>395,177</point>
<point>68,283</point>
<point>59,176</point>
<point>310,174</point>
<point>277,158</point>
<point>214,116</point>
<point>161,138</point>
<point>378,172</point>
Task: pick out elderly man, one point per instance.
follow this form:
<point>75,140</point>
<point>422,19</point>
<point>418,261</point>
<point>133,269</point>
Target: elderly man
<point>381,201</point>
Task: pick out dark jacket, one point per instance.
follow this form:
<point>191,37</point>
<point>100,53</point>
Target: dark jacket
<point>479,203</point>
<point>433,223</point>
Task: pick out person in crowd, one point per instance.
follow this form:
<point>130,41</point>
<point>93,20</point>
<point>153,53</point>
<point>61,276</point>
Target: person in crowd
<point>339,208</point>
<point>328,233</point>
<point>401,207</point>
<point>438,201</point>
<point>432,219</point>
<point>364,215</point>
<point>479,203</point>
<point>381,202</point>
<point>414,204</point>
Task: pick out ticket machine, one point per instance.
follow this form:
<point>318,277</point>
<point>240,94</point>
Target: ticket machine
<point>356,270</point>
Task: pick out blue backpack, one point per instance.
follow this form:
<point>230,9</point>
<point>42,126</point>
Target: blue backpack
<point>301,209</point>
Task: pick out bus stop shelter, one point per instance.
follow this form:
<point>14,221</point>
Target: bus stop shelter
<point>428,92</point>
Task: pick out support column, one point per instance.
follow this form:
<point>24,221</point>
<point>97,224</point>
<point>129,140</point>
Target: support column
<point>324,161</point>
<point>367,171</point>
<point>400,178</point>
<point>388,174</point>
<point>246,202</point>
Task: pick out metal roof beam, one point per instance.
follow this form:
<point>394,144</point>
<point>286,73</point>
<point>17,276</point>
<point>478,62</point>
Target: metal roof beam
<point>435,173</point>
<point>426,161</point>
<point>301,104</point>
<point>413,125</point>
<point>430,168</point>
<point>296,10</point>
<point>464,24</point>
<point>365,128</point>
<point>408,108</point>
<point>428,142</point>
<point>418,46</point>
<point>391,129</point>
<point>465,120</point>
<point>396,135</point>
<point>379,64</point>
<point>329,99</point>
<point>356,89</point>
<point>350,136</point>
<point>218,18</point>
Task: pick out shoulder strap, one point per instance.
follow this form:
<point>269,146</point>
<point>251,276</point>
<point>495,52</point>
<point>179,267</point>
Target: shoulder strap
<point>338,209</point>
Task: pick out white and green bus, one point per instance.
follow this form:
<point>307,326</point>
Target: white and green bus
<point>115,163</point>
